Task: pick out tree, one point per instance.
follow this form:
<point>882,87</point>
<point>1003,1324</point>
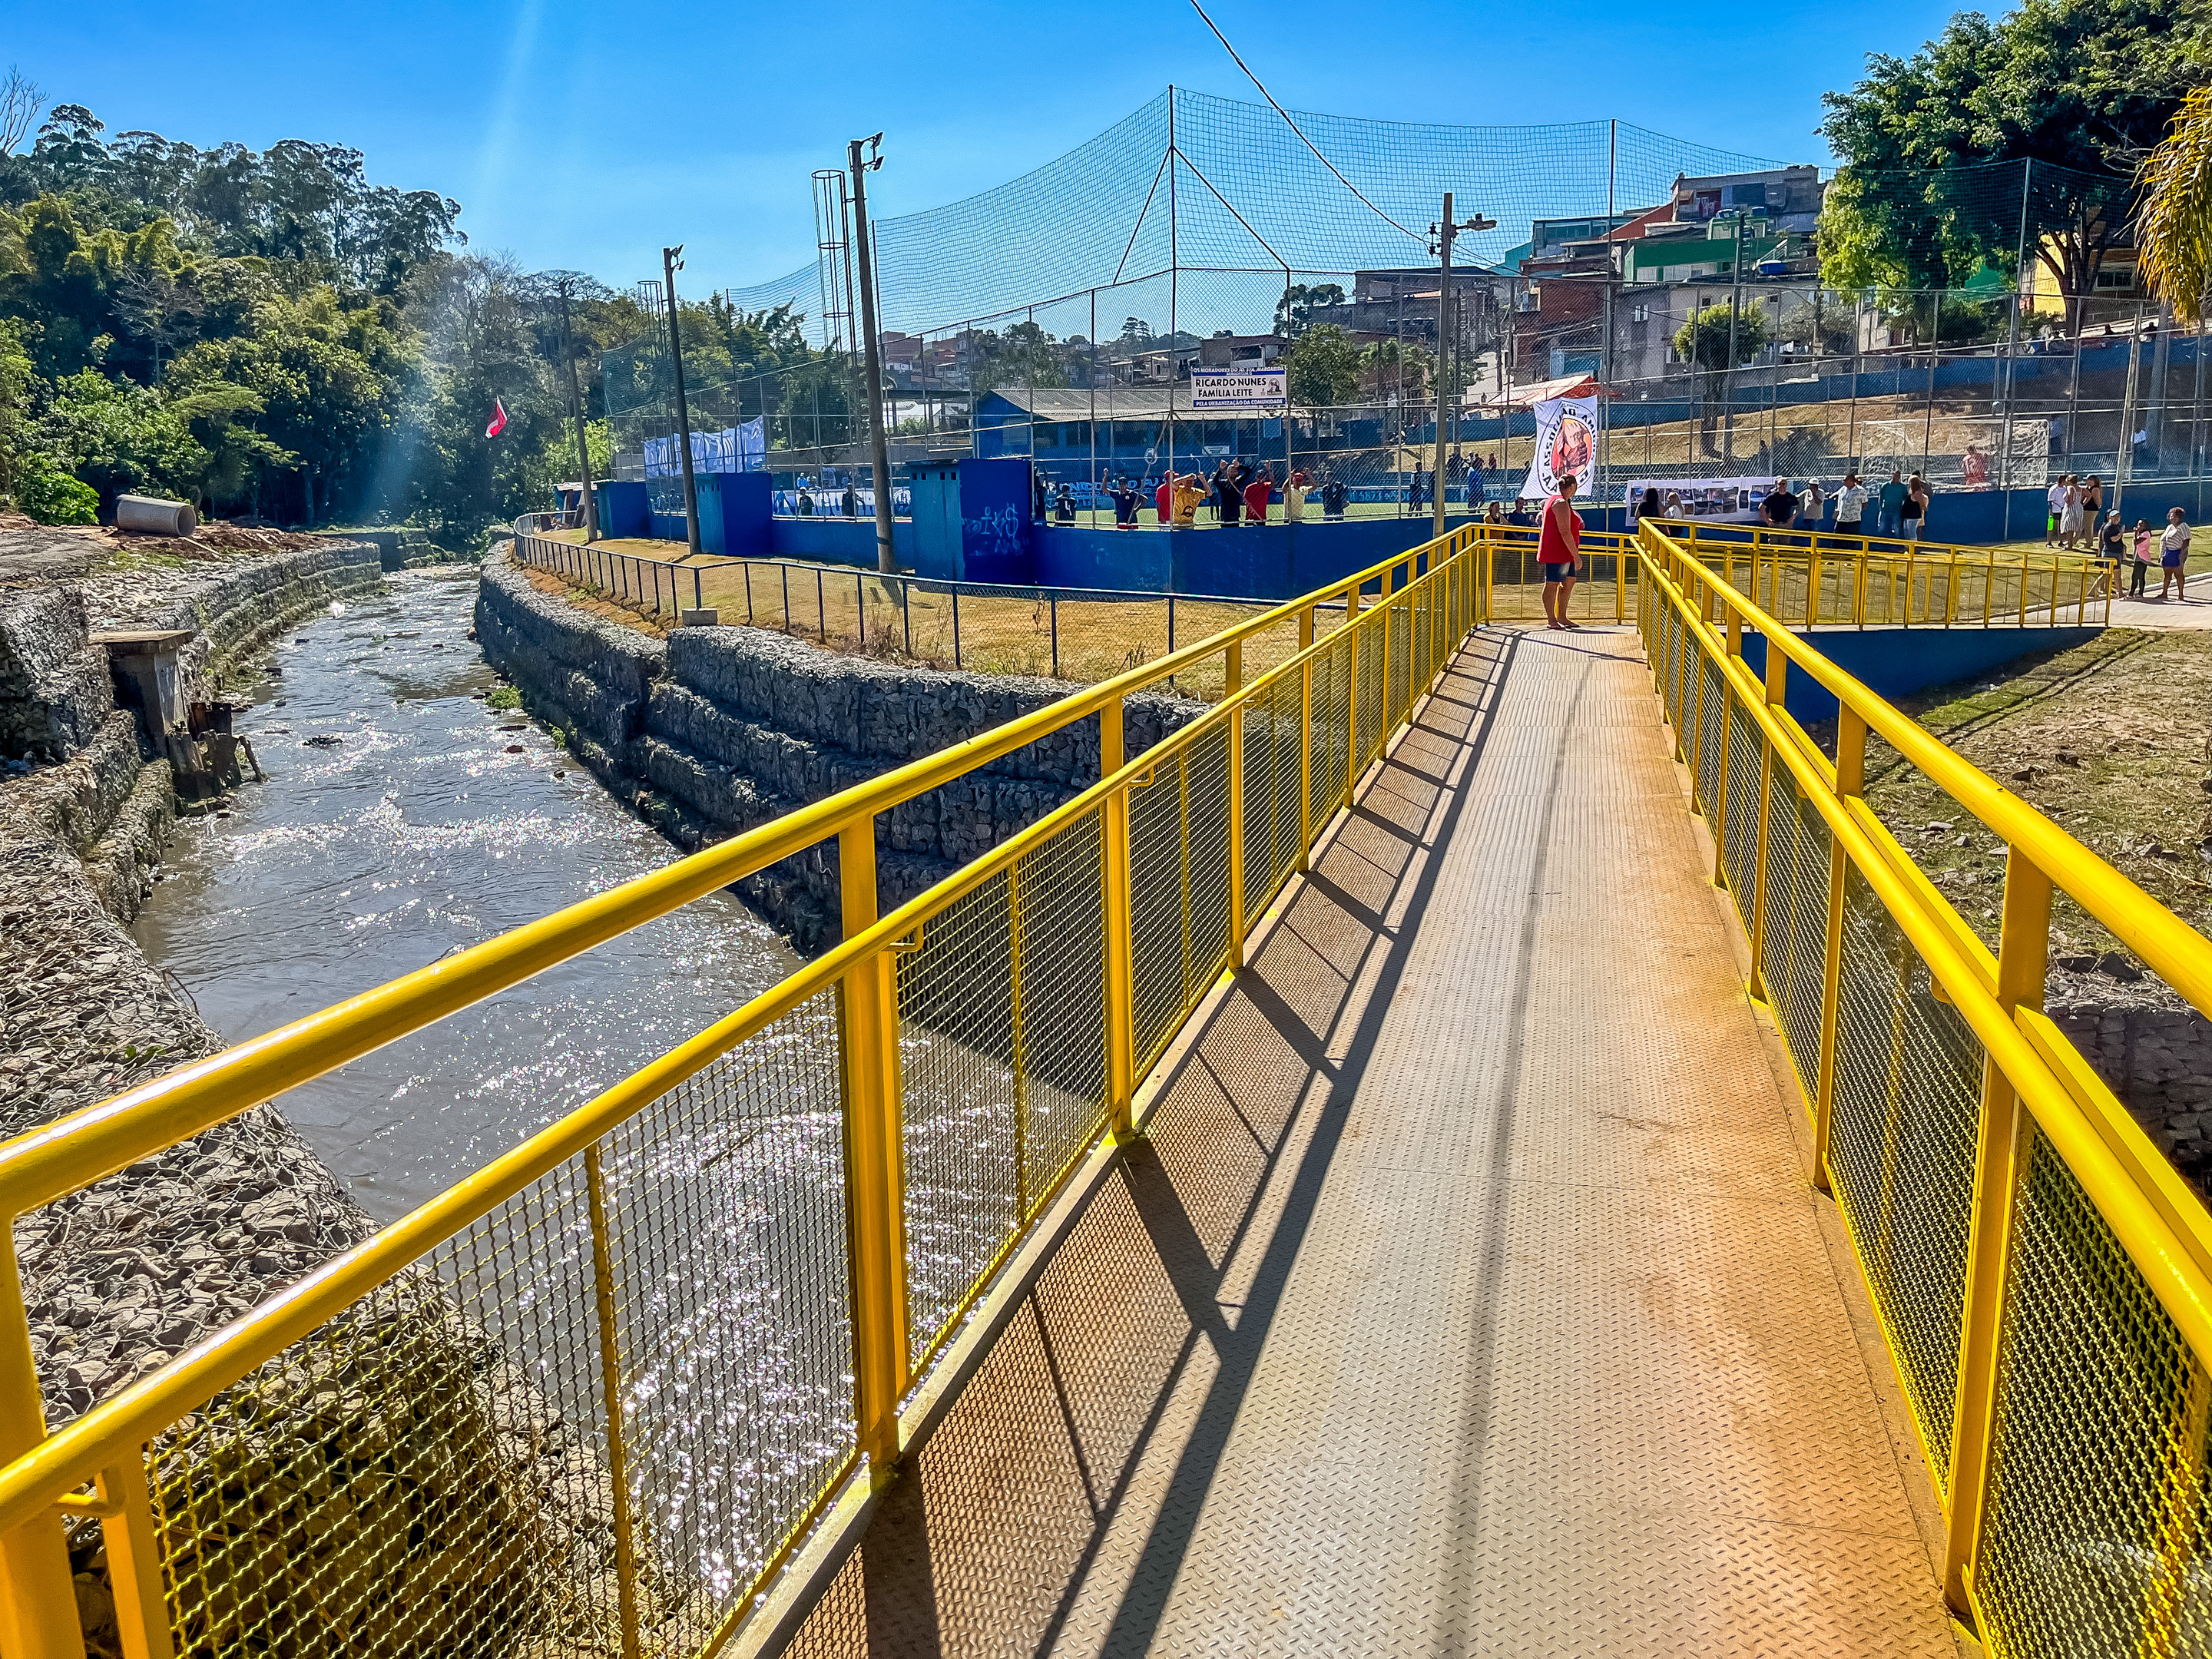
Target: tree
<point>1025,355</point>
<point>121,438</point>
<point>2175,231</point>
<point>1935,146</point>
<point>1394,368</point>
<point>1295,311</point>
<point>19,102</point>
<point>1717,339</point>
<point>1322,368</point>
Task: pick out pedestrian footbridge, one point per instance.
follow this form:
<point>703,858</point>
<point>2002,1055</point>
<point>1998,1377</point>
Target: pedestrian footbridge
<point>1484,1142</point>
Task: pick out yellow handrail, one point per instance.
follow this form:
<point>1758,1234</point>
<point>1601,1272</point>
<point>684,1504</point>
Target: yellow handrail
<point>77,1151</point>
<point>2111,1408</point>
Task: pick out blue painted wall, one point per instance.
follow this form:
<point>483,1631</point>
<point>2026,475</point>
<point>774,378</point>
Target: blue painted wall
<point>837,541</point>
<point>622,508</point>
<point>935,493</point>
<point>1895,661</point>
<point>996,530</point>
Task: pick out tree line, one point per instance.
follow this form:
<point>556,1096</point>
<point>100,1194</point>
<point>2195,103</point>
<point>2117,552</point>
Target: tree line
<point>272,333</point>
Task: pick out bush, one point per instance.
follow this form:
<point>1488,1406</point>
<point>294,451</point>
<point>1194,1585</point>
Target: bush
<point>53,496</point>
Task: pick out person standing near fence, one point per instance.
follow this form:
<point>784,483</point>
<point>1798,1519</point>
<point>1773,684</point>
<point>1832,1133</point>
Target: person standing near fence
<point>1917,494</point>
<point>1164,500</point>
<point>1779,509</point>
<point>1256,494</point>
<point>1850,506</point>
<point>1228,494</point>
<point>1558,550</point>
<point>2056,495</point>
<point>1125,504</point>
<point>1892,519</point>
<point>1811,501</point>
<point>2139,571</point>
<point>2092,506</point>
<point>1188,495</point>
<point>2173,555</point>
<point>1294,498</point>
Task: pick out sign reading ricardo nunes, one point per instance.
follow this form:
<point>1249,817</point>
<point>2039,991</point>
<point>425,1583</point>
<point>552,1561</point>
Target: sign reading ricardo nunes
<point>1237,388</point>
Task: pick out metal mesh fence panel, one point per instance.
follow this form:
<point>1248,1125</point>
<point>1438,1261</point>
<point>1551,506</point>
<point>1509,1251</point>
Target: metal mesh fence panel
<point>1002,1055</point>
<point>1163,975</point>
<point>726,1201</point>
<point>427,1475</point>
<point>1399,621</point>
<point>2095,1530</point>
<point>1794,939</point>
<point>1331,727</point>
<point>1271,722</point>
<point>1907,1099</point>
<point>1209,855</point>
<point>1369,724</point>
<point>1712,713</point>
<point>1739,827</point>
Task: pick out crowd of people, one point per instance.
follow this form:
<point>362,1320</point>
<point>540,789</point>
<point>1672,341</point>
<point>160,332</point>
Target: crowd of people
<point>1237,493</point>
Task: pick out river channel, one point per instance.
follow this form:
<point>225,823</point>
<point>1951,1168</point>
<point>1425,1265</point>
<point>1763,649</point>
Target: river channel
<point>404,818</point>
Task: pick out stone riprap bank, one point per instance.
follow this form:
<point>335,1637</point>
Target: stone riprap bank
<point>716,730</point>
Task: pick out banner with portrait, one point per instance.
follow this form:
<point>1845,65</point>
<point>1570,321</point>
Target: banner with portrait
<point>1566,441</point>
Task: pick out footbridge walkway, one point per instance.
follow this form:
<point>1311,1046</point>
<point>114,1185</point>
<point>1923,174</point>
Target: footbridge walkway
<point>1481,1142</point>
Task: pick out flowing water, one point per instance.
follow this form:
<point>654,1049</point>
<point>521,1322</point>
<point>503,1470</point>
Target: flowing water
<point>404,818</point>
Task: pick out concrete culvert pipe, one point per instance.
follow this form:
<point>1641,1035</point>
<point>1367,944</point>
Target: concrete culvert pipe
<point>150,516</point>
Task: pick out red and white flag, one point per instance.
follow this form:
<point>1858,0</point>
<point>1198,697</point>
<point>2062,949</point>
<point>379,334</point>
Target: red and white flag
<point>498,419</point>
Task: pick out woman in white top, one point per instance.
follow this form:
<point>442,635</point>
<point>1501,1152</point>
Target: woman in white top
<point>2070,523</point>
<point>2173,555</point>
<point>2056,497</point>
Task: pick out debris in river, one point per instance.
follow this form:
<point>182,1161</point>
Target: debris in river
<point>325,740</point>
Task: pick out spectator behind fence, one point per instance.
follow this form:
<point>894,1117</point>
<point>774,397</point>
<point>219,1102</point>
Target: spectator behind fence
<point>1850,506</point>
<point>1125,504</point>
<point>1294,498</point>
<point>1188,495</point>
<point>1228,493</point>
<point>2056,496</point>
<point>1974,468</point>
<point>1063,506</point>
<point>1812,501</point>
<point>1256,494</point>
<point>1914,513</point>
<point>850,501</point>
<point>1779,509</point>
<point>2093,504</point>
<point>1891,500</point>
<point>1164,500</point>
<point>1648,506</point>
<point>1335,497</point>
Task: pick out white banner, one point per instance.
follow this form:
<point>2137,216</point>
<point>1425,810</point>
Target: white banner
<point>1566,441</point>
<point>1237,388</point>
<point>1717,500</point>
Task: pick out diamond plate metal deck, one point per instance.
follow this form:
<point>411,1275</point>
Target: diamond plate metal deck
<point>1467,1295</point>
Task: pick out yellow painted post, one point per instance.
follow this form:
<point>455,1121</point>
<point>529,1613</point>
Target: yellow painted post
<point>1350,693</point>
<point>1620,582</point>
<point>867,1049</point>
<point>1382,668</point>
<point>2023,952</point>
<point>1777,678</point>
<point>1989,585</point>
<point>134,1560</point>
<point>1120,1005</point>
<point>1306,765</point>
<point>611,1383</point>
<point>1812,588</point>
<point>38,1595</point>
<point>1850,781</point>
<point>1237,835</point>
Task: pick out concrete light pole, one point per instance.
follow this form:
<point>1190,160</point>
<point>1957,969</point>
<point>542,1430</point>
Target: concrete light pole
<point>871,358</point>
<point>670,264</point>
<point>1444,230</point>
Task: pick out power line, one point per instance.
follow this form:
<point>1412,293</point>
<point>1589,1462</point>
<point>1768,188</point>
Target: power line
<point>1294,126</point>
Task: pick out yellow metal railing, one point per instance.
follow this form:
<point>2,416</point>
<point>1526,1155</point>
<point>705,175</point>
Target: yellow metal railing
<point>2043,1277</point>
<point>1811,578</point>
<point>600,1390</point>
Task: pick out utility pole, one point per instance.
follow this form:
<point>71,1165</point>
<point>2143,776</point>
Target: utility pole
<point>1735,313</point>
<point>872,357</point>
<point>1444,230</point>
<point>563,287</point>
<point>670,263</point>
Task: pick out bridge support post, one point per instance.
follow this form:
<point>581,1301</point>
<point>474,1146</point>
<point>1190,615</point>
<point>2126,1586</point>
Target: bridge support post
<point>867,1017</point>
<point>1851,781</point>
<point>1120,1017</point>
<point>1233,669</point>
<point>2023,953</point>
<point>38,1595</point>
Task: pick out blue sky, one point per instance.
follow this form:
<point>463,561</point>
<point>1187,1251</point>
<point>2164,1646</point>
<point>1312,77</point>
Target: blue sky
<point>585,135</point>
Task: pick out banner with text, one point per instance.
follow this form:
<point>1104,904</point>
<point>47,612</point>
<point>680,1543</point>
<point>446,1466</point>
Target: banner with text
<point>1566,441</point>
<point>1237,388</point>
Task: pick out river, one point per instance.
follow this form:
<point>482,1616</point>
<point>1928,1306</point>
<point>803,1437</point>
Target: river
<point>404,818</point>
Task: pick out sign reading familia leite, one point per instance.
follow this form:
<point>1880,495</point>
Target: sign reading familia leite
<point>1237,388</point>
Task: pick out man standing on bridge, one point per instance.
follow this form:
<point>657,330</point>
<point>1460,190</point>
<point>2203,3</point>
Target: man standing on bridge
<point>1558,550</point>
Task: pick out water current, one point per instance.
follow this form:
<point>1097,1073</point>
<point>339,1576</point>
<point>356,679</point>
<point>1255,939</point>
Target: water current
<point>404,818</point>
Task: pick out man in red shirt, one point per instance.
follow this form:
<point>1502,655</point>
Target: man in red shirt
<point>1164,498</point>
<point>1256,494</point>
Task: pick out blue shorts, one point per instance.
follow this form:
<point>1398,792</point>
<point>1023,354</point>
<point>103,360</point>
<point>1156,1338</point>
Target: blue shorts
<point>1558,572</point>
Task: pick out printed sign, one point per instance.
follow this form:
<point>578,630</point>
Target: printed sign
<point>1566,441</point>
<point>1237,388</point>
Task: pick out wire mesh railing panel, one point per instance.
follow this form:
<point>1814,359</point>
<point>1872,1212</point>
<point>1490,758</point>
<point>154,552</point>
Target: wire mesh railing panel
<point>1270,784</point>
<point>1399,621</point>
<point>960,1113</point>
<point>1208,946</point>
<point>1060,887</point>
<point>1369,724</point>
<point>1711,730</point>
<point>726,1200</point>
<point>1332,728</point>
<point>425,1475</point>
<point>2095,1532</point>
<point>1907,1102</point>
<point>1794,939</point>
<point>1162,973</point>
<point>1740,826</point>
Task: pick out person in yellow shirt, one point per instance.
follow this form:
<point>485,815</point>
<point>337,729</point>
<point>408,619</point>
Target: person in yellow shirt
<point>1188,495</point>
